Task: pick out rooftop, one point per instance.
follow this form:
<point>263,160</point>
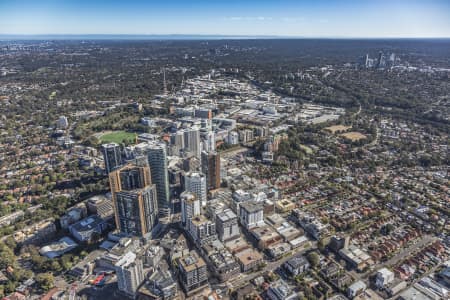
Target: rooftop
<point>191,262</point>
<point>251,207</point>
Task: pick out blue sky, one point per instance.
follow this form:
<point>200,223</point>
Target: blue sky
<point>307,18</point>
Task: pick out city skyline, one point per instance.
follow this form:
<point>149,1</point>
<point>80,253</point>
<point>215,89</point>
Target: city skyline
<point>309,19</point>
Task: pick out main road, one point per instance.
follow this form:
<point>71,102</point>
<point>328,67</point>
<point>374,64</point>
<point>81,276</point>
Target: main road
<point>240,280</point>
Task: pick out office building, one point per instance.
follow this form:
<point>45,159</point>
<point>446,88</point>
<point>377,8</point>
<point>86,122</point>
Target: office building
<point>227,225</point>
<point>209,141</point>
<point>190,207</point>
<point>157,159</point>
<point>86,229</point>
<point>130,273</point>
<point>251,214</point>
<point>193,273</point>
<point>280,290</point>
<point>177,142</point>
<point>195,183</point>
<point>202,230</point>
<point>211,168</point>
<point>192,141</point>
<point>134,200</point>
<point>112,156</point>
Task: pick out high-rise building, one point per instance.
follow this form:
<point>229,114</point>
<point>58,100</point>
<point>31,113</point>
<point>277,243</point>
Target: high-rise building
<point>227,225</point>
<point>130,273</point>
<point>211,168</point>
<point>190,207</point>
<point>192,273</point>
<point>134,200</point>
<point>251,214</point>
<point>157,159</point>
<point>112,156</point>
<point>195,183</point>
<point>381,63</point>
<point>202,230</point>
<point>177,143</point>
<point>192,141</point>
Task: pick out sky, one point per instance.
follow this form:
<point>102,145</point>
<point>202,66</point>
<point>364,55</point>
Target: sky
<point>290,18</point>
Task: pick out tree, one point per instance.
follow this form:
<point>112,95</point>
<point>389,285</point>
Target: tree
<point>313,259</point>
<point>321,245</point>
<point>7,257</point>
<point>45,281</point>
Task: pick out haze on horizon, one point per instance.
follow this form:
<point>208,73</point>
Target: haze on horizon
<point>289,18</point>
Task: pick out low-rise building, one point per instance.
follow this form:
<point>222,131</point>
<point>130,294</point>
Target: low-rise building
<point>279,290</point>
<point>297,265</point>
<point>249,259</point>
<point>85,229</point>
<point>36,234</point>
<point>356,288</point>
<point>58,248</point>
<point>384,277</point>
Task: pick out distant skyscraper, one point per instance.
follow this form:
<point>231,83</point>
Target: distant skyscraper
<point>157,159</point>
<point>211,168</point>
<point>192,141</point>
<point>134,200</point>
<point>367,61</point>
<point>381,60</point>
<point>195,183</point>
<point>130,273</point>
<point>112,156</point>
<point>190,207</point>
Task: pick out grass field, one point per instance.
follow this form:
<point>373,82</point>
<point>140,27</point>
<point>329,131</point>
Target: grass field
<point>335,128</point>
<point>354,136</point>
<point>117,136</point>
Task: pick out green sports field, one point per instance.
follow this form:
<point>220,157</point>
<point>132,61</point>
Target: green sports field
<point>117,136</point>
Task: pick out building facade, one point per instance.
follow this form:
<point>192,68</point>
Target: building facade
<point>195,183</point>
<point>193,273</point>
<point>190,207</point>
<point>227,225</point>
<point>211,169</point>
<point>134,200</point>
<point>112,156</point>
<point>130,273</point>
<point>157,159</point>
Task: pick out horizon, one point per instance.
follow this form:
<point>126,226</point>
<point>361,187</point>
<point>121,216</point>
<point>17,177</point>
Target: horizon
<point>344,19</point>
<point>187,37</point>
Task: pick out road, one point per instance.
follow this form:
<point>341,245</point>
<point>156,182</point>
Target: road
<point>271,266</point>
<point>403,254</point>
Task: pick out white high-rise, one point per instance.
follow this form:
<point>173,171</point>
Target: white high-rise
<point>209,141</point>
<point>192,141</point>
<point>190,207</point>
<point>130,273</point>
<point>195,183</point>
